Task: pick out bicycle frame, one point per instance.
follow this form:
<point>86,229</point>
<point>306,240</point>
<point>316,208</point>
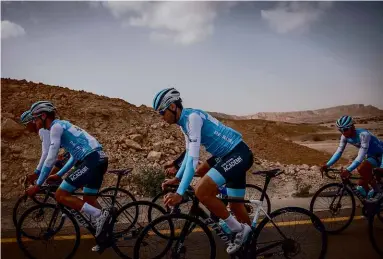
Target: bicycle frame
<point>212,220</point>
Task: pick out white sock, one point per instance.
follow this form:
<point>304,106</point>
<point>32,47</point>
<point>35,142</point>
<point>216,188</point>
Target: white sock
<point>233,224</point>
<point>90,210</point>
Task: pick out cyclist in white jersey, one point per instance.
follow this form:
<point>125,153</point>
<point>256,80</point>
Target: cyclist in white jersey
<point>231,159</point>
<point>27,120</point>
<point>92,163</point>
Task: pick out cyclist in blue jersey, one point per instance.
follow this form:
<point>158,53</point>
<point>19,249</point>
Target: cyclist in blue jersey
<point>27,120</point>
<point>370,154</point>
<point>92,163</point>
<point>228,165</point>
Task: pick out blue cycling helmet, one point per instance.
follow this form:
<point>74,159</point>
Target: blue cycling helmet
<point>345,122</point>
<point>26,117</point>
<point>164,98</point>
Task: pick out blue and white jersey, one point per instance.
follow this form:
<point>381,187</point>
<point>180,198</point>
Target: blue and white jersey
<point>217,138</point>
<point>73,139</point>
<point>200,128</point>
<point>368,144</point>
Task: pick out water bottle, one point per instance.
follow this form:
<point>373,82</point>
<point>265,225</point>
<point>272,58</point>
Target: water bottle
<point>224,226</point>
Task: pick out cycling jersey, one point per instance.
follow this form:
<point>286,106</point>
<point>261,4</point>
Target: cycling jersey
<point>199,128</point>
<point>73,139</point>
<point>45,143</point>
<point>368,145</point>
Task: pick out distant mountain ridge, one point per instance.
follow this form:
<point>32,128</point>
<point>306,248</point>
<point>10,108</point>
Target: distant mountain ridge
<point>358,111</point>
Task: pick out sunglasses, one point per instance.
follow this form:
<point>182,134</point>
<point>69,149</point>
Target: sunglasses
<point>162,113</point>
<point>344,130</point>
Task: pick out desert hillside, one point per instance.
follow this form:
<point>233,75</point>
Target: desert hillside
<point>130,135</point>
<point>359,111</point>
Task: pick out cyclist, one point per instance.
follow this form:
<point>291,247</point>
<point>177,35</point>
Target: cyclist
<point>92,163</point>
<point>27,119</point>
<point>231,159</point>
<point>369,156</point>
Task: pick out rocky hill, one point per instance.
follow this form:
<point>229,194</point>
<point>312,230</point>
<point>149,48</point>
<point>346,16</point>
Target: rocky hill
<point>359,111</point>
<point>131,135</point>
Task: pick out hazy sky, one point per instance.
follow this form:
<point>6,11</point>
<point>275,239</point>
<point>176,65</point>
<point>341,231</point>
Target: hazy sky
<point>232,57</point>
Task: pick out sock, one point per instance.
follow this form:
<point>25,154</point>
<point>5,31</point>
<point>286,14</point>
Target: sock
<point>233,224</point>
<point>90,210</point>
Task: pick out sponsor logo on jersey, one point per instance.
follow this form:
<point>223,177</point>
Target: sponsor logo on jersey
<point>78,173</point>
<point>231,163</point>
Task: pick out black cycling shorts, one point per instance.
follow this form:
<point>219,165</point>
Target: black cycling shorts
<point>231,169</point>
<point>88,174</point>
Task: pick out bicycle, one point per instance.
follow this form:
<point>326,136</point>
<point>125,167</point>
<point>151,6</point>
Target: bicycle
<point>374,209</point>
<point>199,221</point>
<point>336,192</point>
<point>125,224</point>
<point>250,188</point>
<point>46,195</point>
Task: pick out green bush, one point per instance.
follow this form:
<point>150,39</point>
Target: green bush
<point>147,180</point>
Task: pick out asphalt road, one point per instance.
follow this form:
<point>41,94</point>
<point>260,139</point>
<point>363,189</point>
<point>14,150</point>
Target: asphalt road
<point>352,243</point>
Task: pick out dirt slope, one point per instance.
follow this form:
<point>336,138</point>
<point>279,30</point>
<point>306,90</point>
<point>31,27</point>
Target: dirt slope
<point>130,135</point>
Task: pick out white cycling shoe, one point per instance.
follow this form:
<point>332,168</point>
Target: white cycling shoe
<point>239,239</point>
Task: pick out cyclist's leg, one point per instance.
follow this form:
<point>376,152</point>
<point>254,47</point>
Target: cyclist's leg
<point>206,191</point>
<point>77,179</point>
<point>230,170</point>
<point>365,171</point>
<point>94,185</point>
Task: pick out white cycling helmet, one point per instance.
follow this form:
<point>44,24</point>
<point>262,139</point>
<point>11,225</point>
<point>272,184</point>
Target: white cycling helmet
<point>26,117</point>
<point>42,106</point>
<point>164,98</point>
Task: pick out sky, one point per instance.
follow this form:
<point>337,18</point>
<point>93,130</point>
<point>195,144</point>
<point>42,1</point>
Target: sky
<point>232,57</point>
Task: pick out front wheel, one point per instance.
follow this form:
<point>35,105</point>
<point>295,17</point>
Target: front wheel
<point>41,230</point>
<point>291,232</point>
<point>192,239</point>
<point>375,231</point>
<point>334,204</point>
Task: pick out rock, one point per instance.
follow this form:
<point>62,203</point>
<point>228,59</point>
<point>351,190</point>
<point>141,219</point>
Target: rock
<point>132,144</point>
<point>172,152</point>
<point>157,146</point>
<point>136,137</point>
<point>17,149</point>
<point>315,168</point>
<point>169,142</point>
<point>11,129</point>
<point>305,167</point>
<point>154,126</point>
<point>177,150</point>
<point>154,155</point>
<point>3,177</point>
<point>7,115</point>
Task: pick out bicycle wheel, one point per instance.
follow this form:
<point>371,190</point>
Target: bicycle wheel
<point>335,205</point>
<point>128,223</point>
<point>375,231</point>
<point>123,197</point>
<point>282,235</point>
<point>43,223</point>
<point>25,202</point>
<point>254,192</point>
<point>192,240</point>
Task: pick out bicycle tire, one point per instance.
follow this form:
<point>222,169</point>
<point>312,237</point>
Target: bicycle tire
<point>129,228</point>
<point>349,192</point>
<point>111,188</point>
<point>54,207</point>
<point>170,217</point>
<point>372,230</point>
<point>314,219</point>
<point>24,198</point>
